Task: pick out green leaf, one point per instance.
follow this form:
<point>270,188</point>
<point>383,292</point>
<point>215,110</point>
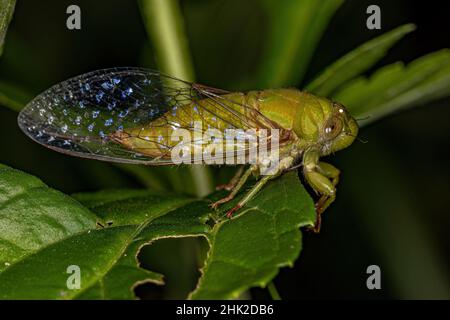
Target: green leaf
<point>122,273</point>
<point>357,61</point>
<point>286,58</point>
<point>33,216</point>
<point>125,207</point>
<point>165,26</point>
<point>396,86</point>
<point>248,250</point>
<point>6,13</point>
<point>43,232</point>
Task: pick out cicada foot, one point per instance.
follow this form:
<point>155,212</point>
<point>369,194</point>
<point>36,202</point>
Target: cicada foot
<point>317,225</point>
<point>250,194</point>
<point>320,207</point>
<point>229,214</point>
<point>233,210</point>
<point>236,184</point>
<point>216,204</point>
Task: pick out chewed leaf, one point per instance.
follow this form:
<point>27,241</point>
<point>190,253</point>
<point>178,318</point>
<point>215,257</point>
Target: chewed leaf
<point>249,250</point>
<point>128,114</point>
<point>43,232</point>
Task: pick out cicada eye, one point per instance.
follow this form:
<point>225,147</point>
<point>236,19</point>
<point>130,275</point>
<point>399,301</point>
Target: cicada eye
<point>333,128</point>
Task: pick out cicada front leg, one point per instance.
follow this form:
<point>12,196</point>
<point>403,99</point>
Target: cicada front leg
<point>332,173</point>
<point>323,178</point>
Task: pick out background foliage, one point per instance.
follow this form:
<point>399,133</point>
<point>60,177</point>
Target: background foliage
<point>391,208</point>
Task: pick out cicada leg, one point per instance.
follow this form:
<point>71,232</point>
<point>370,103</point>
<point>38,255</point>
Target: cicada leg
<point>258,186</point>
<point>241,181</point>
<point>323,178</point>
<point>282,166</point>
<point>233,182</point>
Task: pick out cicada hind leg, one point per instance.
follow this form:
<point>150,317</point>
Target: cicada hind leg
<point>280,168</point>
<point>236,183</point>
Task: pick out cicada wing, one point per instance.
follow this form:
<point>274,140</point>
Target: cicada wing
<point>81,115</point>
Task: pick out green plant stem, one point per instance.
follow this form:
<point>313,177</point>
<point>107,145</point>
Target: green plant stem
<point>273,291</point>
<point>10,103</point>
<point>285,59</point>
<point>164,24</point>
<point>13,97</point>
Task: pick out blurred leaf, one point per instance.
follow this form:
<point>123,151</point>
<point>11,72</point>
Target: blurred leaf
<point>397,86</point>
<point>146,177</point>
<point>43,232</point>
<point>248,250</point>
<point>286,58</point>
<point>13,97</point>
<point>357,61</point>
<point>6,13</point>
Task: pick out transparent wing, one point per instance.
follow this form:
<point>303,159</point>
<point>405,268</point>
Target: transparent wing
<point>80,116</point>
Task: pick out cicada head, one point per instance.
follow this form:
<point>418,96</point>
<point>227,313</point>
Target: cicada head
<point>339,130</point>
<point>323,124</point>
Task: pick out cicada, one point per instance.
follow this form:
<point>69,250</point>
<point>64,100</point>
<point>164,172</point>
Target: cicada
<point>135,115</point>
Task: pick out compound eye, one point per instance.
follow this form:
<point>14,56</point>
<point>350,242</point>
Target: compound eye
<point>333,128</point>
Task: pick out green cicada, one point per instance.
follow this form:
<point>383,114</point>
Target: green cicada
<point>134,115</point>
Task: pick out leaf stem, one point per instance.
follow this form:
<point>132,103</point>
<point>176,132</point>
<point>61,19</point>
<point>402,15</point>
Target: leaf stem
<point>273,291</point>
<point>164,24</point>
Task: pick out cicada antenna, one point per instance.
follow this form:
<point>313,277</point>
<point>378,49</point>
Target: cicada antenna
<point>362,119</point>
<point>357,138</point>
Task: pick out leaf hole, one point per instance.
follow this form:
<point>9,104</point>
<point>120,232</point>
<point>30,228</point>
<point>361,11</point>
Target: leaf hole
<point>179,260</point>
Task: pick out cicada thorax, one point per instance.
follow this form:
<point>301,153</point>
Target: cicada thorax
<point>303,113</point>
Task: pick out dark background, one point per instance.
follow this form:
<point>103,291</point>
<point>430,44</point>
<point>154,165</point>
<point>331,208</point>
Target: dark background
<point>392,207</point>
